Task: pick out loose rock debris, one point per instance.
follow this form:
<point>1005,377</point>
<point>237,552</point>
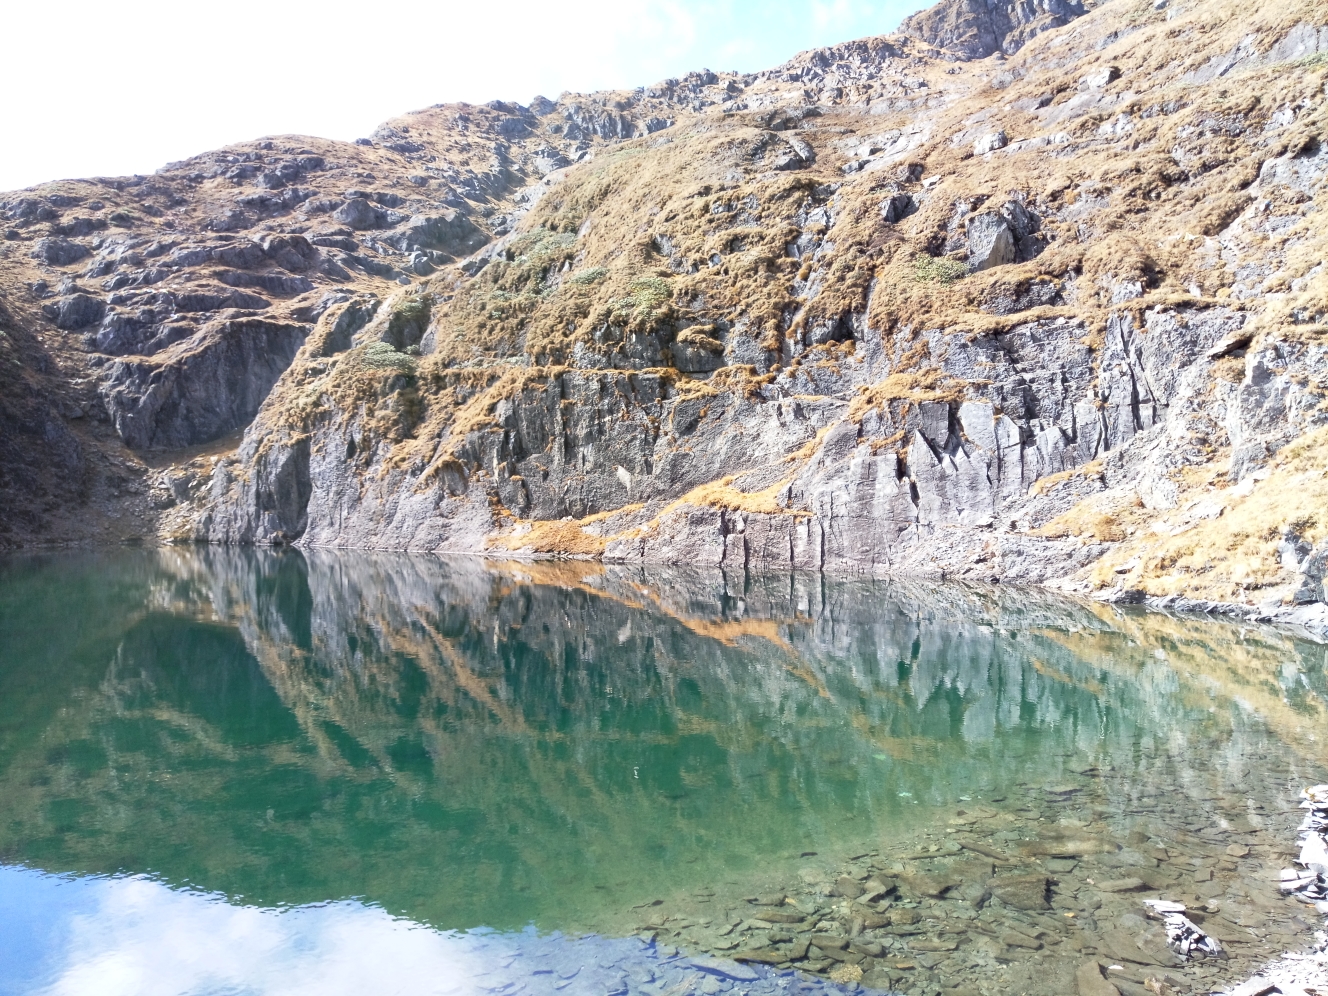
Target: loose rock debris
<point>1309,883</point>
<point>1302,974</point>
<point>1183,936</point>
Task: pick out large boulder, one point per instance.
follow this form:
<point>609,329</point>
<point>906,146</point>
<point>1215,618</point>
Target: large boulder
<point>58,252</point>
<point>897,207</point>
<point>361,215</point>
<point>450,232</point>
<point>990,241</point>
<point>75,311</point>
<point>991,142</point>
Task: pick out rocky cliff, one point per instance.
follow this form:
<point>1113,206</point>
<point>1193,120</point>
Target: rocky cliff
<point>1028,292</point>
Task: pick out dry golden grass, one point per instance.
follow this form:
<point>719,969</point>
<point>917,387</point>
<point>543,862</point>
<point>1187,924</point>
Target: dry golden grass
<point>722,494</point>
<point>912,388</point>
<point>1044,485</point>
<point>565,538</point>
<point>1232,557</point>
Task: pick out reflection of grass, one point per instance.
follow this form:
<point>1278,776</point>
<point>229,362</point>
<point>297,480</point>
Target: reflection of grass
<point>938,270</point>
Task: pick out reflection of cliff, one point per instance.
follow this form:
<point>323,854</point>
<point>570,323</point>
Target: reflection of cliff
<point>473,742</point>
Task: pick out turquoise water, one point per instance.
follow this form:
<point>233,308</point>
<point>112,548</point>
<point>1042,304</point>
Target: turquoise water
<point>265,752</point>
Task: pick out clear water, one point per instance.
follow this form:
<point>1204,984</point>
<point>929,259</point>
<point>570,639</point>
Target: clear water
<point>250,772</point>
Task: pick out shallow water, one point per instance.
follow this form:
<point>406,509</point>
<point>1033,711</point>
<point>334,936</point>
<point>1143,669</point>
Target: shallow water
<point>284,767</point>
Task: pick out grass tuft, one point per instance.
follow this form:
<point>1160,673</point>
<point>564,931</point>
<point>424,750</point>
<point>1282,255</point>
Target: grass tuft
<point>938,270</point>
<point>382,356</point>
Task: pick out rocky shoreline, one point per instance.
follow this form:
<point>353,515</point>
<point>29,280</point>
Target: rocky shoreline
<point>1310,620</point>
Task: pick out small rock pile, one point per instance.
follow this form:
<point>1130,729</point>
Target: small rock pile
<point>1309,883</point>
<point>1183,935</point>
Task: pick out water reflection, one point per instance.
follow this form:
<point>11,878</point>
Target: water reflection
<point>500,744</point>
<point>137,937</point>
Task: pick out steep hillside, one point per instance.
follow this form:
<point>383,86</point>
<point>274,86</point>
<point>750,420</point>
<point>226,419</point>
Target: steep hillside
<point>1021,293</point>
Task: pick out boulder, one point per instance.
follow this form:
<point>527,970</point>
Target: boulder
<point>990,143</point>
<point>274,283</point>
<point>932,886</point>
<point>450,232</point>
<point>58,252</point>
<point>290,252</point>
<point>76,311</point>
<point>360,214</point>
<point>1023,222</point>
<point>797,155</point>
<point>848,887</point>
<point>990,241</point>
<point>1099,78</point>
<point>896,207</point>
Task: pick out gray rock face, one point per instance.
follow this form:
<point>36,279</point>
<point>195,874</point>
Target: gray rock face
<point>975,29</point>
<point>990,241</point>
<point>1313,571</point>
<point>279,284</point>
<point>951,497</point>
<point>58,251</point>
<point>361,215</point>
<point>201,388</point>
<point>896,207</point>
<point>449,232</point>
<point>76,311</point>
<point>1276,402</point>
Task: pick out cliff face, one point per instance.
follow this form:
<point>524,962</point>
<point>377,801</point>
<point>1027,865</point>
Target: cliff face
<point>1024,292</point>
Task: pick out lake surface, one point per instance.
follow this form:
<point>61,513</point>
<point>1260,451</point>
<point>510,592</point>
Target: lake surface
<point>237,771</point>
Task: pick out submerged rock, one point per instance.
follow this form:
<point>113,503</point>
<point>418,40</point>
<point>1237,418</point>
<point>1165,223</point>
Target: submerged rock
<point>1023,892</point>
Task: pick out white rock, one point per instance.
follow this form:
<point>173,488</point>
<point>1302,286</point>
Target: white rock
<point>990,143</point>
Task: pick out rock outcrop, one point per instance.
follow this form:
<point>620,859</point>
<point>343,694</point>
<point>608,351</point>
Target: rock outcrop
<point>975,29</point>
<point>202,387</point>
<point>1025,292</point>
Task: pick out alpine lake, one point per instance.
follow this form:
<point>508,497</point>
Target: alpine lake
<point>246,772</point>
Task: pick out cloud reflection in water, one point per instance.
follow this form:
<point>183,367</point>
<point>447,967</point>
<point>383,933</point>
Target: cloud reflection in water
<point>136,937</point>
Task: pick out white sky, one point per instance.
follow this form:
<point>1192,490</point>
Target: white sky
<point>110,87</point>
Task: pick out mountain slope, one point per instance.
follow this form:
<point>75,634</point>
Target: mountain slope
<point>1024,292</point>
